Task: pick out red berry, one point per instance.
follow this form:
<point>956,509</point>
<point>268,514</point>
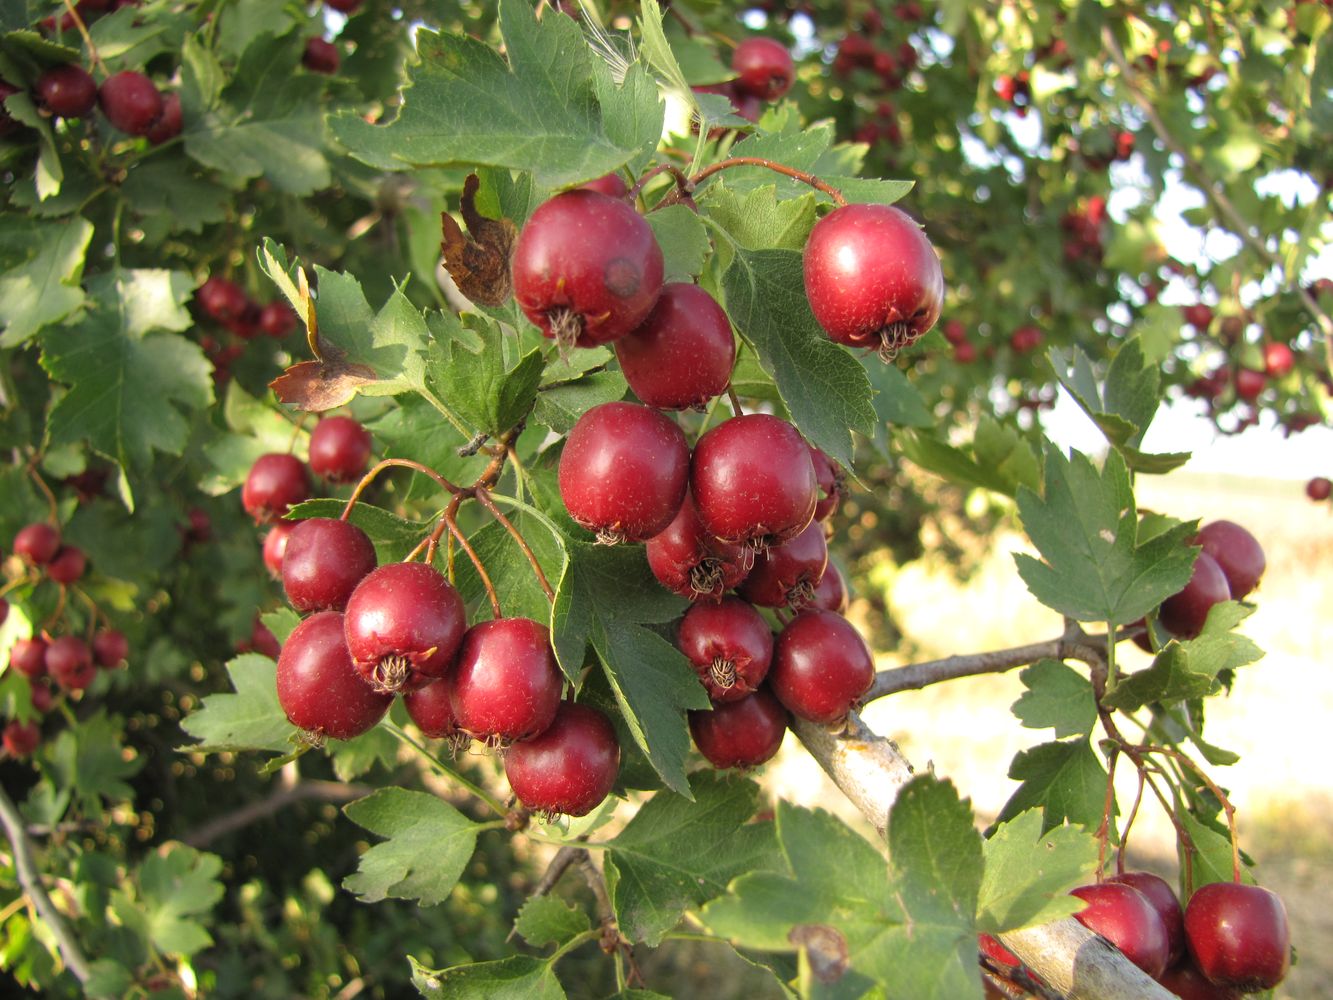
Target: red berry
<point>404,624</point>
<point>831,486</point>
<point>1121,914</point>
<point>130,102</point>
<point>612,185</point>
<point>729,645</point>
<point>201,525</point>
<point>743,733</point>
<point>70,662</point>
<point>1162,898</point>
<point>965,353</point>
<point>320,56</point>
<point>429,708</point>
<point>1278,359</point>
<point>1238,553</point>
<point>1188,983</point>
<point>28,657</point>
<point>221,299</point>
<point>1198,316</point>
<point>1238,936</point>
<point>318,687</point>
<point>831,592</point>
<point>169,123</point>
<point>275,546</point>
<point>785,575</point>
<point>689,562</point>
<point>752,479</point>
<point>22,738</point>
<point>821,666</point>
<point>37,543</point>
<point>763,68</point>
<point>955,333</point>
<point>68,565</point>
<point>345,6</point>
<point>110,648</point>
<point>263,641</point>
<point>1003,958</point>
<point>277,319</point>
<point>681,356</point>
<point>323,561</point>
<point>1025,339</point>
<point>4,610</point>
<point>276,482</point>
<point>873,278</point>
<point>506,685</point>
<point>68,91</point>
<point>587,268</point>
<point>1183,614</point>
<point>624,471</point>
<point>570,767</point>
<point>339,449</point>
<point>1317,489</point>
<point>42,696</point>
<point>1250,383</point>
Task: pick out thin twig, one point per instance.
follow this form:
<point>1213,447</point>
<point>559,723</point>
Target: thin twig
<point>274,802</point>
<point>779,168</point>
<point>484,498</point>
<point>682,180</point>
<point>734,400</point>
<point>610,938</point>
<point>77,18</point>
<point>389,463</point>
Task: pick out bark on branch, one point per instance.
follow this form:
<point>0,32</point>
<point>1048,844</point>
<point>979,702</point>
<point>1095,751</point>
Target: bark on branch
<point>276,801</point>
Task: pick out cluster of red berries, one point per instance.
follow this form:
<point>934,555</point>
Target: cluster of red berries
<point>129,100</point>
<point>876,67</point>
<point>226,303</point>
<point>1084,229</point>
<point>1231,938</point>
<point>1248,383</point>
<point>1229,568</point>
<point>321,55</point>
<point>764,72</point>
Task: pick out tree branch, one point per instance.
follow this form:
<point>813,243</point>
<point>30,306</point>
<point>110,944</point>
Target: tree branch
<point>31,881</point>
<point>276,801</point>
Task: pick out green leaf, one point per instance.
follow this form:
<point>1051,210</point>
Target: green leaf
<point>1212,859</point>
<point>683,239</point>
<point>429,844</point>
<point>758,220</point>
<point>1029,873</point>
<point>250,719</point>
<point>509,569</point>
<point>1000,458</point>
<point>545,920</point>
<point>281,622</point>
<point>470,371</point>
<point>171,195</point>
<point>392,343</point>
<point>1067,780</point>
<point>1057,697</point>
<point>675,854</point>
<point>41,264</point>
<point>824,388</point>
<point>560,406</point>
<point>1086,528</point>
<point>172,886</point>
<point>517,978</point>
<point>543,111</point>
<point>353,758</point>
<point>86,759</point>
<point>393,536</point>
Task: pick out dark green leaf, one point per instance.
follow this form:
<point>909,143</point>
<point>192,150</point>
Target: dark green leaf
<point>1067,780</point>
<point>468,370</point>
<point>172,887</point>
<point>1029,873</point>
<point>429,842</point>
<point>683,239</point>
<point>545,920</point>
<point>353,758</point>
<point>517,978</point>
<point>40,267</point>
<point>86,759</point>
<point>250,719</point>
<point>1057,696</point>
<point>560,406</point>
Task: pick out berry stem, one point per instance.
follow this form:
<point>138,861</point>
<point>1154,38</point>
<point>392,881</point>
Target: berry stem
<point>682,179</point>
<point>484,498</point>
<point>780,168</point>
<point>1108,806</point>
<point>388,463</point>
<point>734,400</point>
<point>87,38</point>
<point>1217,792</point>
<point>1123,846</point>
<point>46,491</point>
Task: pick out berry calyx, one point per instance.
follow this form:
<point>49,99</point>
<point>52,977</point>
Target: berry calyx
<point>70,662</point>
<point>786,575</point>
<point>505,685</point>
<point>586,268</point>
<point>110,648</point>
<point>743,733</point>
<point>318,687</point>
<point>821,666</point>
<point>872,277</point>
<point>624,471</point>
<point>67,91</point>
<point>404,624</point>
<point>691,563</point>
<point>169,123</point>
<point>763,68</point>
<point>37,543</point>
<point>1120,913</point>
<point>28,657</point>
<point>276,481</point>
<point>68,565</point>
<point>275,546</point>
<point>753,481</point>
<point>1238,553</point>
<point>339,449</point>
<point>323,561</point>
<point>681,356</point>
<point>429,708</point>
<point>568,769</point>
<point>130,102</point>
<point>1238,936</point>
<point>22,738</point>
<point>831,591</point>
<point>1162,898</point>
<point>832,488</point>
<point>1317,489</point>
<point>1184,613</point>
<point>729,645</point>
<point>320,56</point>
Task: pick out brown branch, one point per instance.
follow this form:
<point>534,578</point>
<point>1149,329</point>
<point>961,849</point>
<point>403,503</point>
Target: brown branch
<point>276,801</point>
<point>611,939</point>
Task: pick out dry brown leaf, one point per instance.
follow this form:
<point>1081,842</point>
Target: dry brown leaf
<point>479,260</point>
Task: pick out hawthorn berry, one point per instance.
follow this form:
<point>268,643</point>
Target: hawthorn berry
<point>110,648</point>
<point>1278,359</point>
<point>70,662</point>
<point>831,486</point>
<point>612,185</point>
<point>763,68</point>
<point>743,733</point>
<point>169,123</point>
<point>41,695</point>
<point>67,91</point>
<point>1188,983</point>
<point>1162,898</point>
<point>1025,339</point>
<point>1004,959</point>
<point>1184,613</point>
<point>130,102</point>
<point>681,356</point>
<point>753,480</point>
<point>68,565</point>
<point>821,666</point>
<point>965,353</point>
<point>1121,914</point>
<point>955,333</point>
<point>505,685</point>
<point>404,625</point>
<point>275,482</point>
<point>1238,936</point>
<point>691,563</point>
<point>872,277</point>
<point>345,6</point>
<point>729,645</point>
<point>429,708</point>
<point>1250,383</point>
<point>263,641</point>
<point>275,546</point>
<point>277,319</point>
<point>831,591</point>
<point>221,299</point>
<point>37,543</point>
<point>339,449</point>
<point>1238,553</point>
<point>320,56</point>
<point>22,738</point>
<point>4,610</point>
<point>786,575</point>
<point>200,527</point>
<point>624,471</point>
<point>318,687</point>
<point>1198,316</point>
<point>323,561</point>
<point>28,657</point>
<point>570,767</point>
<point>1317,489</point>
<point>586,268</point>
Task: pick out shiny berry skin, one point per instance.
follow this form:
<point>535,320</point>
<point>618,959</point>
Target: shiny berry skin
<point>1198,316</point>
<point>68,91</point>
<point>68,565</point>
<point>1238,553</point>
<point>344,6</point>
<point>339,449</point>
<point>262,641</point>
<point>831,486</point>
<point>221,299</point>
<point>786,575</point>
<point>169,123</point>
<point>320,56</point>
<point>276,481</point>
<point>821,666</point>
<point>505,685</point>
<point>42,696</point>
<point>1187,983</point>
<point>831,591</point>
<point>70,662</point>
<point>743,733</point>
<point>763,68</point>
<point>318,687</point>
<point>1319,488</point>
<point>130,102</point>
<point>624,471</point>
<point>752,480</point>
<point>1162,898</point>
<point>1121,914</point>
<point>1184,613</point>
<point>612,185</point>
<point>691,563</point>
<point>1238,936</point>
<point>1025,339</point>
<point>873,278</point>
<point>1002,957</point>
<point>729,645</point>
<point>323,562</point>
<point>22,738</point>
<point>275,546</point>
<point>570,768</point>
<point>110,648</point>
<point>587,268</point>
<point>28,657</point>
<point>1250,383</point>
<point>429,708</point>
<point>277,320</point>
<point>37,543</point>
<point>682,354</point>
<point>1278,359</point>
<point>404,624</point>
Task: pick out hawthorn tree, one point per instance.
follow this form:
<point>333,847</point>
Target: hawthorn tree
<point>573,548</point>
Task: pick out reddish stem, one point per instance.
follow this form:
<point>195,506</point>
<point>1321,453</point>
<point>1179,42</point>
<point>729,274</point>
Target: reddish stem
<point>485,500</point>
<point>388,463</point>
<point>780,168</point>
